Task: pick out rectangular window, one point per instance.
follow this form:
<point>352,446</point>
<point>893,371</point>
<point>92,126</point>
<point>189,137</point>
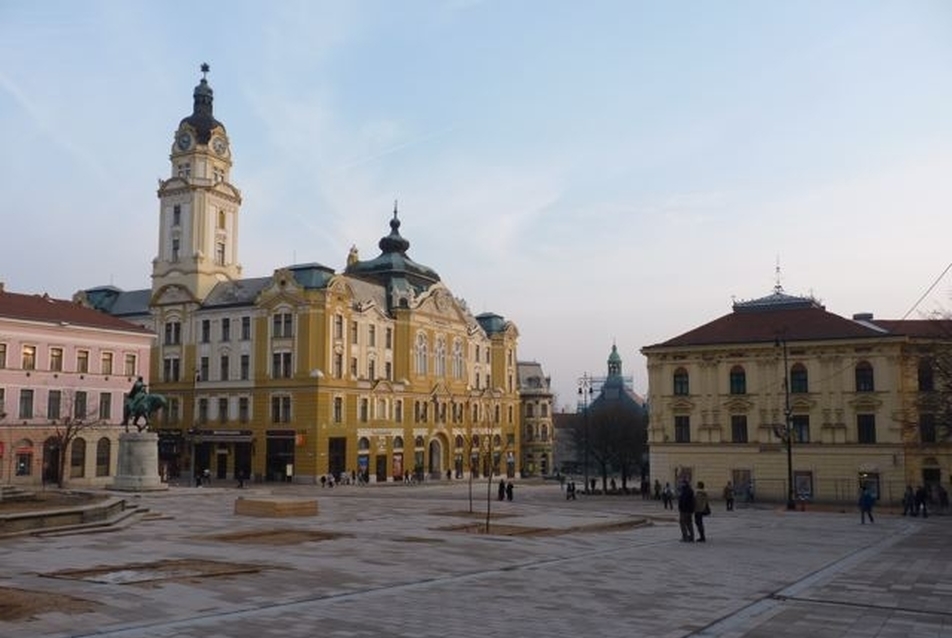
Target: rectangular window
<point>203,411</point>
<point>26,404</point>
<point>739,428</point>
<point>338,327</point>
<point>28,361</point>
<point>79,407</point>
<point>3,355</point>
<point>803,484</point>
<point>372,370</point>
<point>681,383</point>
<point>106,363</point>
<point>82,361</point>
<point>388,371</point>
<point>354,332</point>
<point>927,428</point>
<point>173,333</point>
<point>224,364</point>
<point>105,406</point>
<point>353,367</point>
<point>53,403</point>
<point>170,370</point>
<point>130,365</point>
<point>281,325</point>
<point>206,330</point>
<point>398,411</point>
<point>203,369</point>
<point>176,248</point>
<point>364,410</point>
<point>866,428</point>
<point>338,366</point>
<point>738,381</point>
<point>226,329</point>
<point>338,409</point>
<point>222,410</point>
<point>281,409</point>
<point>388,338</point>
<point>245,367</point>
<point>372,336</point>
<point>800,426</point>
<point>682,429</point>
<point>281,365</point>
<point>177,215</point>
<point>56,359</point>
<point>245,328</point>
<point>220,253</point>
<point>173,411</point>
<point>243,409</point>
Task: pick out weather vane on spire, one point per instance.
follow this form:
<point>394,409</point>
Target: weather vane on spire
<point>205,68</point>
<point>394,209</point>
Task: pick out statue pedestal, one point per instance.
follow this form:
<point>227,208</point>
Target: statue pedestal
<point>138,463</point>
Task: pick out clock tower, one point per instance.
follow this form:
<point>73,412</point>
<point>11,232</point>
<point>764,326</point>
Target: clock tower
<point>198,207</point>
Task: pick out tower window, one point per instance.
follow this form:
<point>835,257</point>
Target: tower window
<point>221,219</point>
<point>220,253</point>
<point>184,169</point>
<point>175,249</point>
<point>177,215</point>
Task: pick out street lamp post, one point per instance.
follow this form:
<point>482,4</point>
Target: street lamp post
<point>787,424</point>
<point>317,374</point>
<point>584,393</point>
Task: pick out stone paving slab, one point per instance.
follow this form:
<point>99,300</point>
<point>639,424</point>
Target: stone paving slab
<point>395,571</point>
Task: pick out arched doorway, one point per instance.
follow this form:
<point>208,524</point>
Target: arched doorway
<point>51,460</point>
<point>436,458</point>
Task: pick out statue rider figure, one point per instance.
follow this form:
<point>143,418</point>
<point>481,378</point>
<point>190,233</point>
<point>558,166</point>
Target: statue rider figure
<point>135,395</point>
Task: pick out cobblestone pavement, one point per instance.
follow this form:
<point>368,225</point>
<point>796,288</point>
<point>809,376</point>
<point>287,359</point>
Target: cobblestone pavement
<point>396,570</point>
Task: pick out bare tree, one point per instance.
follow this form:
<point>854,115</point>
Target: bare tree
<point>72,415</point>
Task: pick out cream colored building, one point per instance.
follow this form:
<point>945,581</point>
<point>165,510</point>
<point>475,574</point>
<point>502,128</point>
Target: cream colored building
<point>538,435</point>
<point>377,370</point>
<point>719,407</point>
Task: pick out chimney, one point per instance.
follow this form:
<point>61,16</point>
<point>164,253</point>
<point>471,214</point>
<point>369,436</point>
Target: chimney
<point>863,316</point>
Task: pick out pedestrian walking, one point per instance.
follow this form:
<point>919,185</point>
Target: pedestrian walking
<point>509,491</point>
<point>667,497</point>
<point>921,502</point>
<point>866,501</point>
<point>502,490</point>
<point>702,508</point>
<point>729,497</point>
<point>909,502</point>
<point>686,512</point>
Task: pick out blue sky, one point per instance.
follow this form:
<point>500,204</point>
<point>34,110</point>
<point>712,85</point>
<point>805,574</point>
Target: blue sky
<point>596,172</point>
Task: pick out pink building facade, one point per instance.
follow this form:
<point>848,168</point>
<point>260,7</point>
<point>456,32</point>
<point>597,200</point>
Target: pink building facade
<point>64,373</point>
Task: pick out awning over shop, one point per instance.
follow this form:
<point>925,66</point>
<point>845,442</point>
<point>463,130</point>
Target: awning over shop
<point>221,436</point>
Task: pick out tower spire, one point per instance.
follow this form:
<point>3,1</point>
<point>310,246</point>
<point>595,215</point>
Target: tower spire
<point>778,287</point>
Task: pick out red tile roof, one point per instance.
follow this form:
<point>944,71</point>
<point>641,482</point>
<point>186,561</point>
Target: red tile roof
<point>46,309</point>
<point>929,328</point>
<point>767,325</point>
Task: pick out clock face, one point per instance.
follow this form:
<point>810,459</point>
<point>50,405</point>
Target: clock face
<point>219,145</point>
<point>183,141</point>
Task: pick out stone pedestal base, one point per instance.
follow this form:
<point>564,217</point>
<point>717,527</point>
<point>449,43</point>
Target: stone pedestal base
<point>138,466</point>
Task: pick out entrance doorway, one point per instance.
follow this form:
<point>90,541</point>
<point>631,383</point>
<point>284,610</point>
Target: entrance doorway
<point>279,459</point>
<point>436,459</point>
<point>381,468</point>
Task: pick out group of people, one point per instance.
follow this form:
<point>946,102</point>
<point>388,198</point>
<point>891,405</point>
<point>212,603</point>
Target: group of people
<point>505,490</point>
<point>693,506</point>
<point>916,502</point>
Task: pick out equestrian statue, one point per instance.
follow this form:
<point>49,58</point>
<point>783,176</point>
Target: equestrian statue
<point>140,404</point>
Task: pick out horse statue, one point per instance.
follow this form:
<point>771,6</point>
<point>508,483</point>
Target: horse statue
<point>144,405</point>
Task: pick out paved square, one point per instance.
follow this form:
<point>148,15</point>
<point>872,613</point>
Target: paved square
<point>381,561</point>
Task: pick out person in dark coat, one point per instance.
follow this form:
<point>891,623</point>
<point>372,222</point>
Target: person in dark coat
<point>866,501</point>
<point>686,512</point>
<point>921,498</point>
<point>502,490</point>
<point>509,491</point>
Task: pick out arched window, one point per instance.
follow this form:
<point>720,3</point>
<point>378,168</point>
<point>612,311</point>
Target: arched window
<point>421,354</point>
<point>363,443</point>
<point>926,375</point>
<point>545,433</point>
<point>103,453</point>
<point>439,358</point>
<point>77,458</point>
<point>458,368</point>
<point>738,380</point>
<point>529,432</point>
<point>418,442</point>
<point>398,442</point>
<point>681,382</point>
<point>864,377</point>
<point>799,382</point>
<point>459,441</point>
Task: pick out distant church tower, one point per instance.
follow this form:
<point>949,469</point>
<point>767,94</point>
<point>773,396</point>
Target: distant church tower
<point>198,207</point>
<point>614,363</point>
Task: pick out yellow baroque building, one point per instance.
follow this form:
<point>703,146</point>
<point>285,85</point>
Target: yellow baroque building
<point>855,398</point>
<point>377,372</point>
